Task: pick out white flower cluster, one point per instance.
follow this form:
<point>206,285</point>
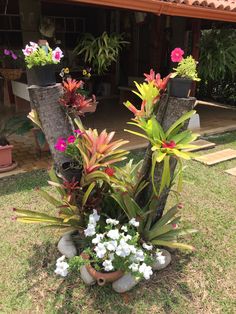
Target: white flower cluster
<point>93,219</point>
<point>117,243</point>
<point>61,266</point>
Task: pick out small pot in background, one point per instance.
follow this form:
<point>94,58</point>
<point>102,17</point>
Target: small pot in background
<point>6,156</point>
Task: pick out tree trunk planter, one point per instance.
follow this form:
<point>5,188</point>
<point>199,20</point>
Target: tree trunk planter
<point>102,278</point>
<point>42,75</point>
<point>179,87</point>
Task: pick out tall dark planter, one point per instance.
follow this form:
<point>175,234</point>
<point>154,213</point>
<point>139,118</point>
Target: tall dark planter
<point>42,75</point>
<point>179,87</point>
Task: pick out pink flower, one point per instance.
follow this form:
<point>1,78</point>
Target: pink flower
<point>61,144</point>
<point>34,45</point>
<point>177,55</point>
<point>57,54</point>
<point>28,50</point>
<point>71,139</point>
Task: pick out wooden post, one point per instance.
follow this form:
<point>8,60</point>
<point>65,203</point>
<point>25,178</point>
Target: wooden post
<point>196,31</point>
<point>54,122</point>
<point>170,109</point>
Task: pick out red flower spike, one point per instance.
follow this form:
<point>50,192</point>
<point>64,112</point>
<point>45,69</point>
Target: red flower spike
<point>169,145</point>
<point>110,171</point>
<point>181,205</point>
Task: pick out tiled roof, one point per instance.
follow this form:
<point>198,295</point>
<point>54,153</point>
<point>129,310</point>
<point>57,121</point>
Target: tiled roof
<point>229,5</point>
<point>220,10</point>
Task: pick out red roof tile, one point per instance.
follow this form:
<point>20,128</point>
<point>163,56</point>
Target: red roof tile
<point>220,10</point>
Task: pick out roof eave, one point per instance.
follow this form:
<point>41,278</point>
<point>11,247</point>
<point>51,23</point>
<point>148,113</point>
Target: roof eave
<point>167,8</point>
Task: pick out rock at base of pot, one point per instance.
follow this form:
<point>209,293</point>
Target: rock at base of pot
<point>86,277</point>
<point>125,283</point>
<point>159,265</point>
<point>66,245</point>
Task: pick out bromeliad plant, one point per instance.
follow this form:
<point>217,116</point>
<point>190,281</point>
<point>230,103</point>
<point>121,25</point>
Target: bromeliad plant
<point>115,231</point>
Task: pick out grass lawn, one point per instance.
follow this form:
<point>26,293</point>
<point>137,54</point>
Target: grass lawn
<point>198,282</point>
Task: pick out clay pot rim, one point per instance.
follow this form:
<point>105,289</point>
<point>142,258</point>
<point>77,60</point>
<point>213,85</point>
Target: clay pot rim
<point>102,278</point>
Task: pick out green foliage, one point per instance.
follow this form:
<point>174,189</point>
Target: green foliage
<point>127,178</point>
<point>100,52</point>
<point>171,143</point>
<point>165,232</point>
<point>217,54</point>
<point>39,57</point>
<point>15,125</point>
<point>187,68</point>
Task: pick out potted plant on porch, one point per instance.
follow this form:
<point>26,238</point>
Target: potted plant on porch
<point>99,52</point>
<point>183,75</point>
<point>41,60</point>
<point>15,125</point>
<point>10,64</point>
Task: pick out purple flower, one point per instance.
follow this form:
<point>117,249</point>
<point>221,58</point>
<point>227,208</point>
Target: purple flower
<point>14,56</point>
<point>7,52</point>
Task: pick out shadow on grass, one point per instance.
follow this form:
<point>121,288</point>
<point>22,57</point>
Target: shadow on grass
<point>166,289</point>
<point>23,182</point>
<point>225,138</point>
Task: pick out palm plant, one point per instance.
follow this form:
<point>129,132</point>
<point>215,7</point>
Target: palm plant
<point>100,52</point>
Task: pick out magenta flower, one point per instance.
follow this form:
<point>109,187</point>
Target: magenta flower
<point>57,54</point>
<point>61,144</point>
<point>78,132</point>
<point>71,139</point>
<point>177,55</point>
<point>7,52</point>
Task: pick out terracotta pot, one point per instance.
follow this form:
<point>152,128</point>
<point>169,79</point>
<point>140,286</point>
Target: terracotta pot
<point>5,156</point>
<point>102,278</point>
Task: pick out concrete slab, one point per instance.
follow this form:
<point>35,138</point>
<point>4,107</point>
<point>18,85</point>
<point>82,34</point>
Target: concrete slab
<point>201,144</point>
<point>217,157</point>
<point>231,171</point>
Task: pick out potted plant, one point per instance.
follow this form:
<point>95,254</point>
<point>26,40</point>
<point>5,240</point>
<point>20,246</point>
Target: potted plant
<point>99,52</point>
<point>41,60</point>
<point>185,72</point>
<point>10,64</point>
<point>15,125</point>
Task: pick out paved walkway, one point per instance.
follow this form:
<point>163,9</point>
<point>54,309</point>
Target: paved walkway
<point>213,119</point>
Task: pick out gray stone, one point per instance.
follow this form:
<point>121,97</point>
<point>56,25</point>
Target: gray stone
<point>157,265</point>
<point>86,277</point>
<point>125,283</point>
<point>66,245</point>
